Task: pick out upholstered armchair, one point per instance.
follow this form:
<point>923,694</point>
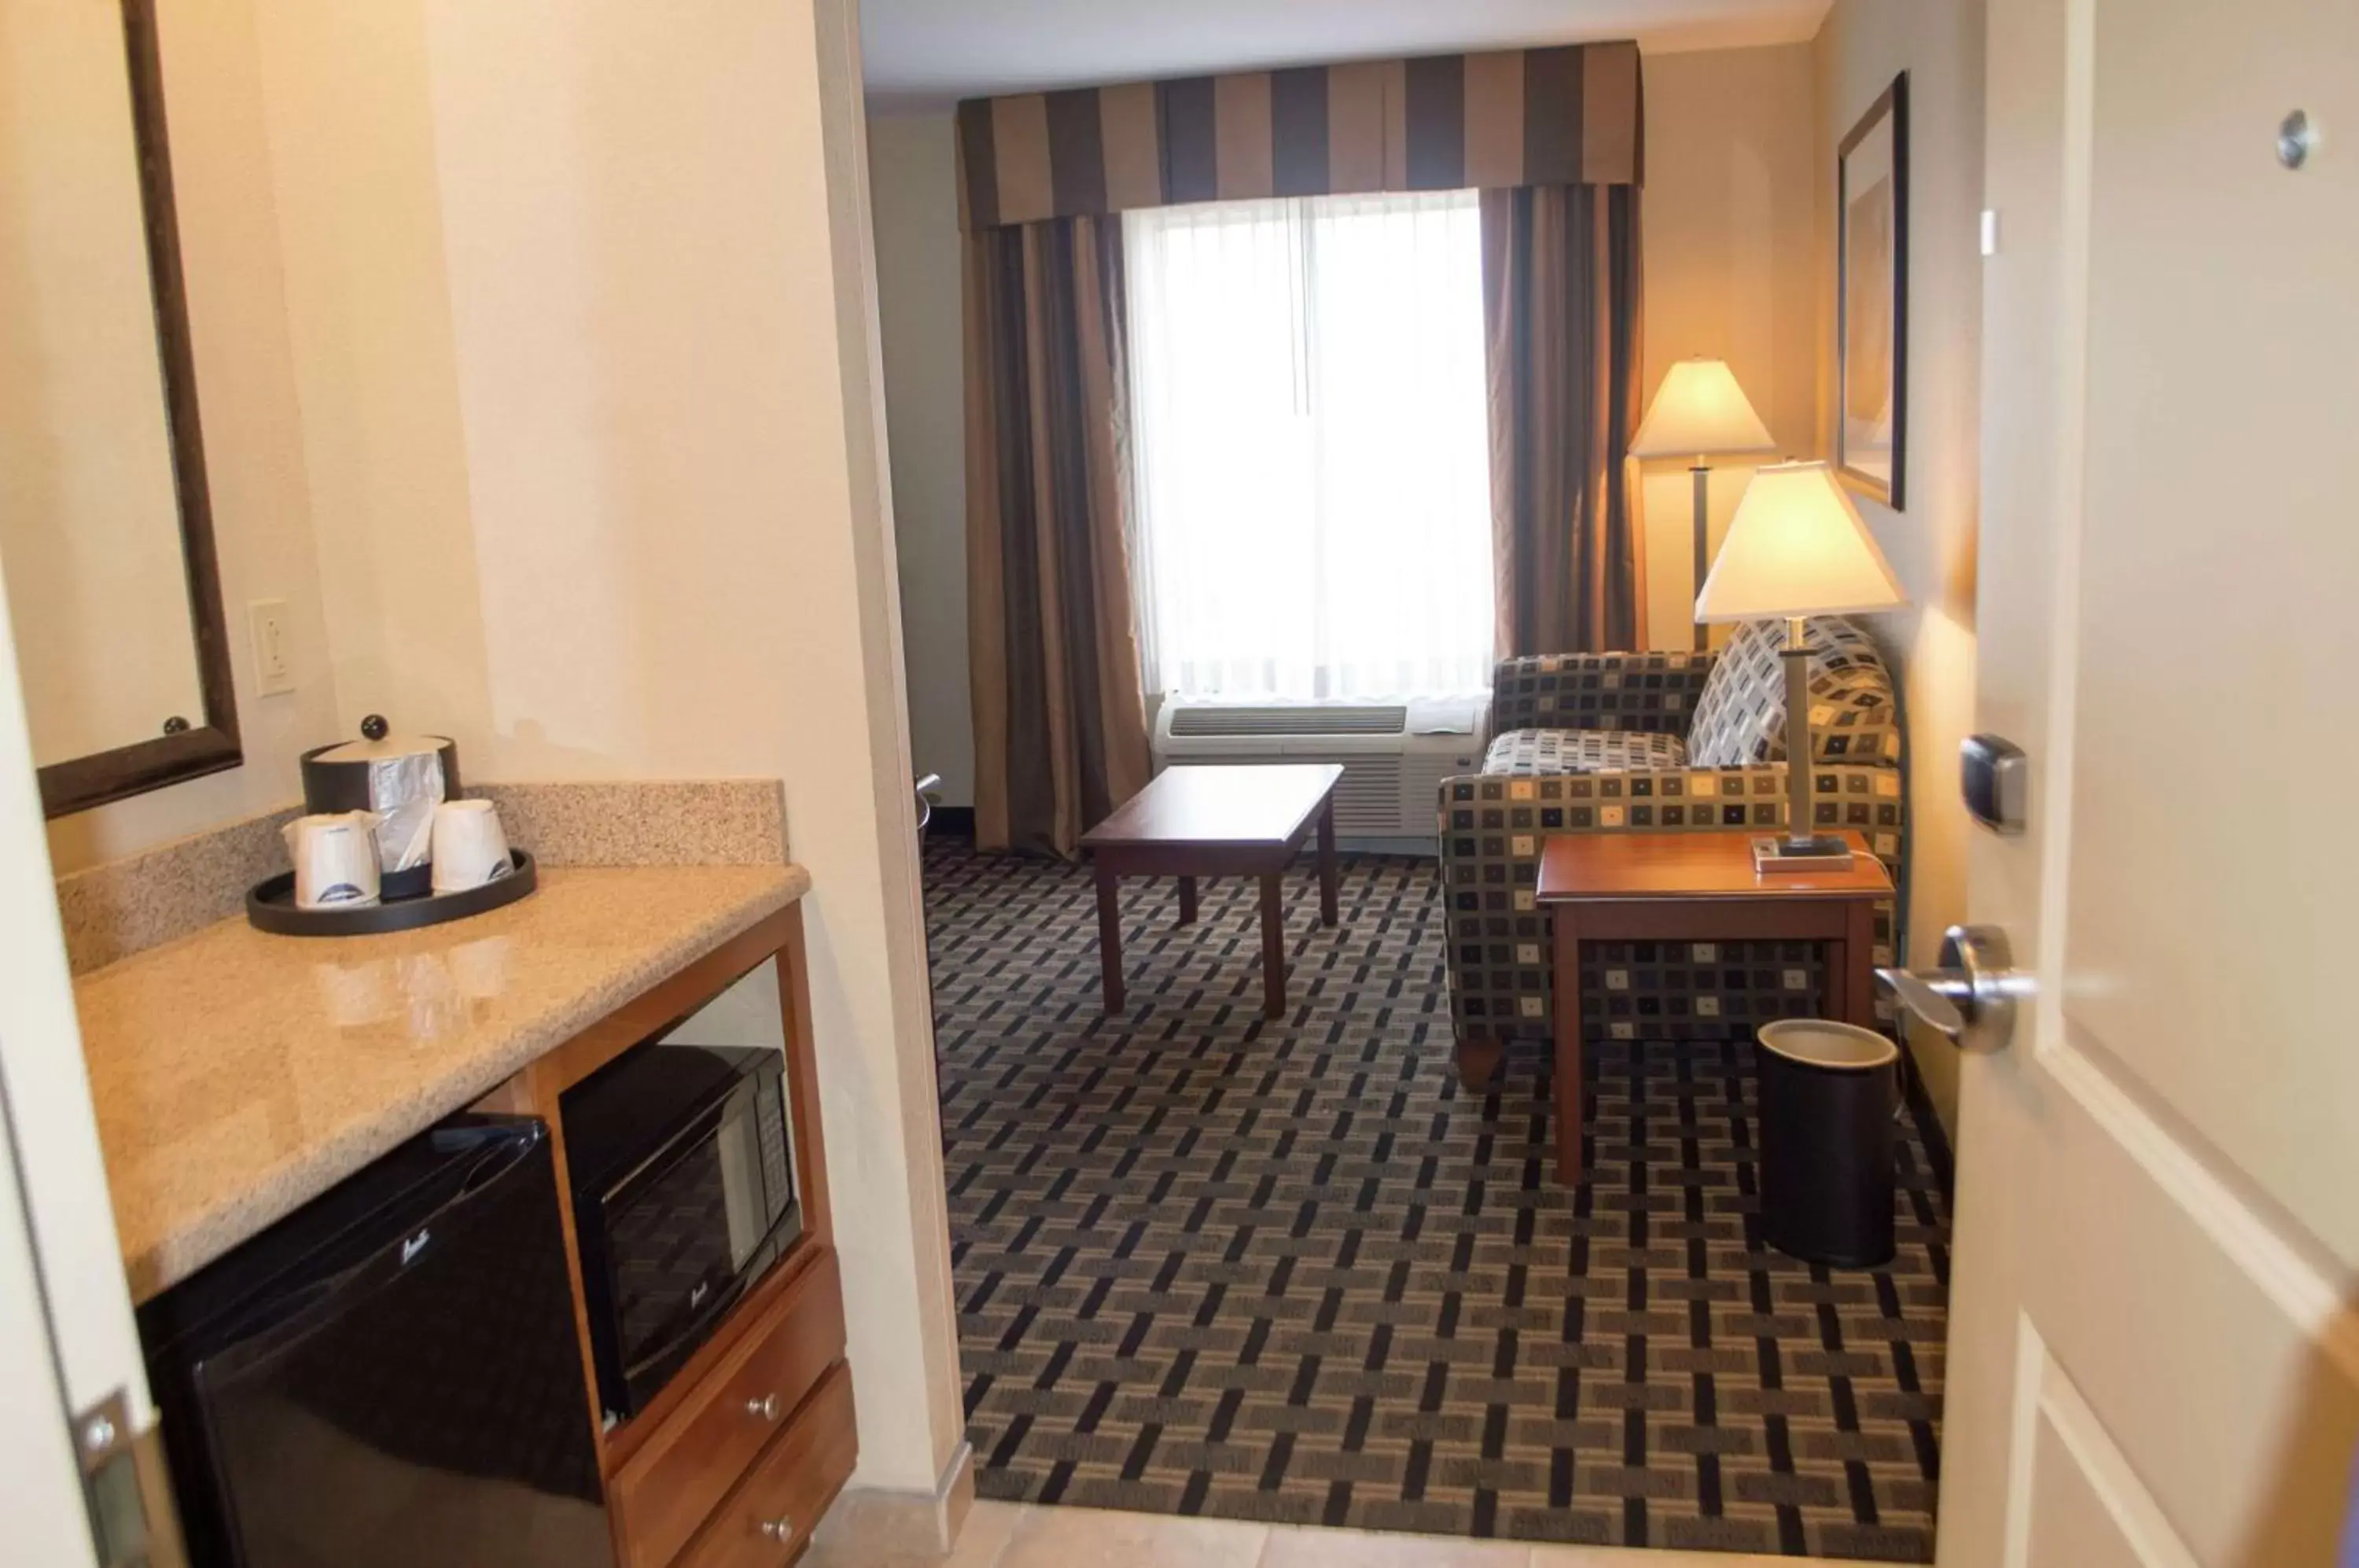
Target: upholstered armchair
<point>1654,743</point>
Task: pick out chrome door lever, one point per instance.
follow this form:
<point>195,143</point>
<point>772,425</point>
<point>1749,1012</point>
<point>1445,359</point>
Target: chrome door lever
<point>1971,997</point>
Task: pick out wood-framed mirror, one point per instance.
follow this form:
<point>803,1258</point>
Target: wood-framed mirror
<point>106,531</point>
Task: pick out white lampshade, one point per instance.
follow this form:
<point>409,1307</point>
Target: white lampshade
<point>1797,547</point>
<point>1700,411</point>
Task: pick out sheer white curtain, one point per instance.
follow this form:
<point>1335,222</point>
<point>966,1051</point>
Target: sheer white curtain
<point>1311,447</point>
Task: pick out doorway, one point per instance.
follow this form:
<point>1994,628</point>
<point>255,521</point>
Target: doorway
<point>1296,1272</point>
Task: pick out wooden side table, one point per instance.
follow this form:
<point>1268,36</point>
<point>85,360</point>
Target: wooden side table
<point>1696,886</point>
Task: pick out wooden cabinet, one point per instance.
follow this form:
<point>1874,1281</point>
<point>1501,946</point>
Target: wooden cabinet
<point>771,1515</point>
<point>735,1459</point>
<point>675,1479</point>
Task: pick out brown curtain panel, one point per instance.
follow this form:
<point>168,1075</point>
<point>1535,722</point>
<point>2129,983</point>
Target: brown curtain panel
<point>1060,722</point>
<point>1561,304</point>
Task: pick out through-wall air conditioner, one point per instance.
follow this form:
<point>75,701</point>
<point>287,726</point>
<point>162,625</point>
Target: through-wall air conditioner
<point>1394,755</point>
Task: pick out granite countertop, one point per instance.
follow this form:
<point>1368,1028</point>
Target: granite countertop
<point>237,1075</point>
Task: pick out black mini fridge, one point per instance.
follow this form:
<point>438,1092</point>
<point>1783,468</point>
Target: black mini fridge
<point>389,1378</point>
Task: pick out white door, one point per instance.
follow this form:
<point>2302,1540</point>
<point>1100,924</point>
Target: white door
<point>40,1483</point>
<point>69,1348</point>
<point>2154,1359</point>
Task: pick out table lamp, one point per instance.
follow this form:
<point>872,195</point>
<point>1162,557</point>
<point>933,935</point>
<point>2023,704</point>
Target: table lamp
<point>1698,412</point>
<point>1797,547</point>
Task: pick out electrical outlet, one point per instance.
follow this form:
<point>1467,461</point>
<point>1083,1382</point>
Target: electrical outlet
<point>274,669</point>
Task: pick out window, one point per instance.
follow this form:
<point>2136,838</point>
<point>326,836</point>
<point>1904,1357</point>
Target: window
<point>1311,447</point>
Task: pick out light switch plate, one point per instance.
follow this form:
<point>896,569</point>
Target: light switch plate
<point>274,666</point>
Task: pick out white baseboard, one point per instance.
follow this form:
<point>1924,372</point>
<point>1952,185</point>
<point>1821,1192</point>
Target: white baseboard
<point>908,1524</point>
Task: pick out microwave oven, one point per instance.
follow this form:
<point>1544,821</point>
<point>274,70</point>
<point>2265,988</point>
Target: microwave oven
<point>682,1163</point>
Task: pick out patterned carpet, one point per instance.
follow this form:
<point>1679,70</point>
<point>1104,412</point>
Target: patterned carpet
<point>1293,1272</point>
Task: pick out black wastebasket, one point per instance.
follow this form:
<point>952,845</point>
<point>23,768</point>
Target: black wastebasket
<point>1829,1093</point>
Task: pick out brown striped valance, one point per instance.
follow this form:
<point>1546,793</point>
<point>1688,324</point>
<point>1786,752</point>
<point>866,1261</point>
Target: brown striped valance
<point>1544,116</point>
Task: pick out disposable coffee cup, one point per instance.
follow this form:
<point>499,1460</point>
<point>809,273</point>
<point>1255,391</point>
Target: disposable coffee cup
<point>470,847</point>
<point>336,864</point>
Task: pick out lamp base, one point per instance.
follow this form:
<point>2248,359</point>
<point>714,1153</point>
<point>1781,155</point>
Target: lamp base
<point>1771,855</point>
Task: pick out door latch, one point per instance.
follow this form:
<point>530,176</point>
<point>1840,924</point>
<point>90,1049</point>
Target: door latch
<point>126,1489</point>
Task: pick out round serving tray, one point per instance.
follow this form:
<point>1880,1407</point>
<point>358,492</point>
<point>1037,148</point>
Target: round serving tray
<point>270,906</point>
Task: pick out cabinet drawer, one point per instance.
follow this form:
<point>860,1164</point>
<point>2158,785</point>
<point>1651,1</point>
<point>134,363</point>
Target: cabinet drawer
<point>668,1487</point>
<point>767,1520</point>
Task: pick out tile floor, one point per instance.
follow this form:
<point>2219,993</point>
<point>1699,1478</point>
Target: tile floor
<point>1024,1535</point>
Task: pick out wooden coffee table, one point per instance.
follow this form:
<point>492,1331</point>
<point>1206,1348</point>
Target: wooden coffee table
<point>1218,821</point>
<point>1696,886</point>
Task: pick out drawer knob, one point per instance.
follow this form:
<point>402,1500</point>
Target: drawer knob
<point>763,1408</point>
<point>781,1529</point>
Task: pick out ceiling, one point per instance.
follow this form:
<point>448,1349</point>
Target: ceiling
<point>927,54</point>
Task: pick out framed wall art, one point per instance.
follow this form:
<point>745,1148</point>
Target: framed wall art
<point>1872,300</point>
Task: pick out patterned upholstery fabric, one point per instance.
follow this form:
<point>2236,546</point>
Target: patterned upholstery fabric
<point>1494,823</point>
<point>1536,752</point>
<point>1740,718</point>
<point>1501,986</point>
<point>1651,692</point>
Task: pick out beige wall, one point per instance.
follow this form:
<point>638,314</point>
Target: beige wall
<point>913,174</point>
<point>362,235</point>
<point>579,296</point>
<point>1940,43</point>
<point>254,455</point>
<point>1731,218</point>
